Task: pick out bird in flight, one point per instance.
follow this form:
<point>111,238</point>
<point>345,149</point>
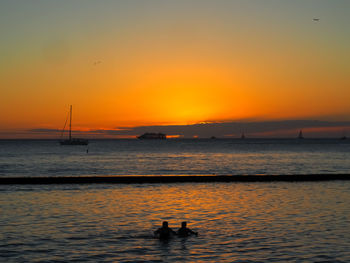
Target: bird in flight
<point>316,19</point>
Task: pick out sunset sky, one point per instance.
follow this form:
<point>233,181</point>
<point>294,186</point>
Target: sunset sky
<point>161,62</point>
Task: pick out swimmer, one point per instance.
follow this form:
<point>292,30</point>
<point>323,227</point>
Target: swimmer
<point>184,231</point>
<point>165,232</point>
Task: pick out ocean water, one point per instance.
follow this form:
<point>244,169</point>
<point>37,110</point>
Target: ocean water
<point>237,222</point>
<point>142,157</point>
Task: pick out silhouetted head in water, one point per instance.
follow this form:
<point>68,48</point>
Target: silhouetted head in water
<point>165,232</point>
<point>184,231</point>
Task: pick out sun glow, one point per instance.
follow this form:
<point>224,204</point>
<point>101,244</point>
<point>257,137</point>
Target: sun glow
<point>170,64</point>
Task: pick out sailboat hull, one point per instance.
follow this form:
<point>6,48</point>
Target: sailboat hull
<point>72,141</point>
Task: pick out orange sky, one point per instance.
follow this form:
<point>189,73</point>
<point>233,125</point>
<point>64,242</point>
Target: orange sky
<point>172,63</point>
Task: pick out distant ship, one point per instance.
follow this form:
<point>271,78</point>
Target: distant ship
<point>242,136</point>
<point>344,136</point>
<point>70,140</point>
<point>152,136</point>
<point>300,136</point>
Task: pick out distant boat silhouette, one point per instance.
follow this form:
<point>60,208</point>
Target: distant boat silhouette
<point>213,137</point>
<point>300,136</point>
<point>344,136</point>
<point>152,136</point>
<point>70,140</point>
<point>242,136</point>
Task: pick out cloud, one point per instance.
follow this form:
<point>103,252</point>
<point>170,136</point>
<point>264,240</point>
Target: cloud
<point>235,129</point>
<point>43,130</point>
<point>284,128</point>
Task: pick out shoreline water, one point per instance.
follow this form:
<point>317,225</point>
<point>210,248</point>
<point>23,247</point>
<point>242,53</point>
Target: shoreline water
<point>237,222</point>
<point>171,179</point>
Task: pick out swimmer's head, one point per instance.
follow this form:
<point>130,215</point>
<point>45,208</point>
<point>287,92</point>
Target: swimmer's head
<point>183,224</point>
<point>165,224</point>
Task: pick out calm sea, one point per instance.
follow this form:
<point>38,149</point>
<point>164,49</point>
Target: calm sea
<point>237,222</point>
<point>138,157</point>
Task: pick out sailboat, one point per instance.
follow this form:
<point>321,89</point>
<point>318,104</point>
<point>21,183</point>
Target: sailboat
<point>300,136</point>
<point>70,140</point>
<point>344,136</point>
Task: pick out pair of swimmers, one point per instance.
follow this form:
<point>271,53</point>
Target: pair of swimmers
<point>165,232</point>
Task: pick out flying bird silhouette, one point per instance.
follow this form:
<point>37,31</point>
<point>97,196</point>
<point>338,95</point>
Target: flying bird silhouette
<point>316,19</point>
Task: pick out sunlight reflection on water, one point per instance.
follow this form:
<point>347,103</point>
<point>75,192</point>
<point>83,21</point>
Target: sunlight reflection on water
<point>134,157</point>
<point>237,222</point>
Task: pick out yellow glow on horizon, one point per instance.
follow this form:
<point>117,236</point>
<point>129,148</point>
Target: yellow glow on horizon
<point>183,66</point>
<point>174,136</point>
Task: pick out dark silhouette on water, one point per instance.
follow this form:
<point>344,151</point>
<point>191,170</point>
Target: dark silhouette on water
<point>165,232</point>
<point>152,136</point>
<point>172,179</point>
<point>344,136</point>
<point>184,231</point>
<point>300,136</point>
<point>70,140</point>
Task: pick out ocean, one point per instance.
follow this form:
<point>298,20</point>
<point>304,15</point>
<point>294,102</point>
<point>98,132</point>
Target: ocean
<point>236,221</point>
<point>174,157</point>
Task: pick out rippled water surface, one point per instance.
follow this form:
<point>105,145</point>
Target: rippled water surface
<point>137,157</point>
<point>237,222</point>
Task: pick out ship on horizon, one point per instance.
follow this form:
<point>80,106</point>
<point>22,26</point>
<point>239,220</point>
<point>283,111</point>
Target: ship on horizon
<point>344,136</point>
<point>152,136</point>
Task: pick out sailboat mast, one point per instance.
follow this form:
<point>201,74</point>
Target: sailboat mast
<point>301,135</point>
<point>70,124</point>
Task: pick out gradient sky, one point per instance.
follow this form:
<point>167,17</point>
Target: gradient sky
<point>159,62</point>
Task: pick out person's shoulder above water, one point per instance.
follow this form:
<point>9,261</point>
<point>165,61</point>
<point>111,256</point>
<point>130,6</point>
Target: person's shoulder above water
<point>184,231</point>
<point>164,232</point>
